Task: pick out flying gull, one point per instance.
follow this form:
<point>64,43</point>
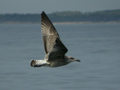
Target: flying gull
<point>54,48</point>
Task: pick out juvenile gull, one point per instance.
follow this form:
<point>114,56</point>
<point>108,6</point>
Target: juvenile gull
<point>54,48</point>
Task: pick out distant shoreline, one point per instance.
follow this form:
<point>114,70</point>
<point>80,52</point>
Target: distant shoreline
<point>85,22</point>
<point>112,22</point>
<point>64,17</point>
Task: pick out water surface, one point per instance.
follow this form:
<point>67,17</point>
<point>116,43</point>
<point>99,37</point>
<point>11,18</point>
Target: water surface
<point>96,45</point>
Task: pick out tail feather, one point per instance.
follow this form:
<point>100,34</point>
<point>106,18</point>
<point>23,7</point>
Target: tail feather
<point>38,63</point>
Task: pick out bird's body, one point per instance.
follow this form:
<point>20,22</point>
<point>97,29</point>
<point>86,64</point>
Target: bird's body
<point>39,63</point>
<point>54,48</point>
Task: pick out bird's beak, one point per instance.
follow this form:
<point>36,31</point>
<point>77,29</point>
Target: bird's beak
<point>77,60</point>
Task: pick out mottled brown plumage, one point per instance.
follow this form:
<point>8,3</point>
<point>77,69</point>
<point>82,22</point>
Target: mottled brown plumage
<point>54,48</point>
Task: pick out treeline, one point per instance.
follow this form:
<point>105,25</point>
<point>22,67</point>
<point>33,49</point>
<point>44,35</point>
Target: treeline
<point>66,16</point>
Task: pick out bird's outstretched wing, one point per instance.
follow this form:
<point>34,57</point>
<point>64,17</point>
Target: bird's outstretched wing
<point>54,48</point>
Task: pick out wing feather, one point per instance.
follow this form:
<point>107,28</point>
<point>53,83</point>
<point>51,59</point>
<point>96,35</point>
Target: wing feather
<point>54,48</point>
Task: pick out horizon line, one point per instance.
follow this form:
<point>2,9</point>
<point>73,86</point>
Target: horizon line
<point>61,11</point>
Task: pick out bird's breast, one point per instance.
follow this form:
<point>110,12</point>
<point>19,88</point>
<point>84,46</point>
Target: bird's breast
<point>57,63</point>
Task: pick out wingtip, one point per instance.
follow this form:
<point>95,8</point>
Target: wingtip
<point>43,13</point>
<point>44,17</point>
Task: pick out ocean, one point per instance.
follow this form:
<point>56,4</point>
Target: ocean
<point>96,45</point>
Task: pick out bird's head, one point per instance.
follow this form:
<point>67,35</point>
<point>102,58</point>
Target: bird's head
<point>73,59</point>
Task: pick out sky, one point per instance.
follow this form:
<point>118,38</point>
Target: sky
<point>49,6</point>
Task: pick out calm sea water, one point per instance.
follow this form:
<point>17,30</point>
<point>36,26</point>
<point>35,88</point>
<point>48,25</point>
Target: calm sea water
<point>96,45</point>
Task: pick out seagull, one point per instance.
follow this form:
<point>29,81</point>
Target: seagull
<point>55,50</point>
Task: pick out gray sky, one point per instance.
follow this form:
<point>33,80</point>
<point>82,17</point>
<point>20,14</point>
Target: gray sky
<point>36,6</point>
